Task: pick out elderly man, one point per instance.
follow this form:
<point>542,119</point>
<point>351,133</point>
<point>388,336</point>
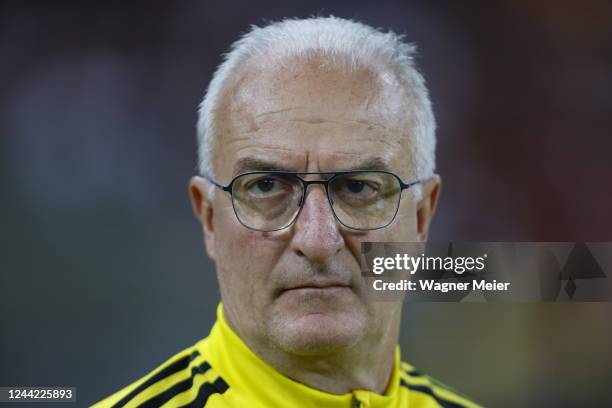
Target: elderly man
<point>314,135</point>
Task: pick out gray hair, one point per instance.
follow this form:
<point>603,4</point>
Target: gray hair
<point>344,42</point>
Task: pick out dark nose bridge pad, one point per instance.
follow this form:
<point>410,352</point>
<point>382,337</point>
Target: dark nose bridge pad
<point>307,184</point>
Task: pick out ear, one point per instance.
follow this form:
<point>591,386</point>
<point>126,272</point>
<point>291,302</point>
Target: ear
<point>426,208</point>
<point>203,209</point>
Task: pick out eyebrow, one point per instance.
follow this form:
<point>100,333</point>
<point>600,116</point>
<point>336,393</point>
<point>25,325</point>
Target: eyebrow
<point>246,164</point>
<point>372,163</point>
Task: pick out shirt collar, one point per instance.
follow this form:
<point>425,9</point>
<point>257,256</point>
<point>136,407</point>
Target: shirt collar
<point>248,374</point>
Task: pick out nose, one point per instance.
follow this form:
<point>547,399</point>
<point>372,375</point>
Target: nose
<point>316,231</point>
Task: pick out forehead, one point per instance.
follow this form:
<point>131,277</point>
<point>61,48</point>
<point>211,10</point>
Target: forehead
<point>309,108</point>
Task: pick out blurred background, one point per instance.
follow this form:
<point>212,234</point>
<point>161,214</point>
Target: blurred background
<point>102,269</point>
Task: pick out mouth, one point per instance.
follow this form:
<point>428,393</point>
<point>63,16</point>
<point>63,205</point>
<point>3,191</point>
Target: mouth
<point>316,287</point>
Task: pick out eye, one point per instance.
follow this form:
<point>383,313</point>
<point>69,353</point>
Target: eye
<point>358,188</point>
<point>267,186</point>
<point>355,186</point>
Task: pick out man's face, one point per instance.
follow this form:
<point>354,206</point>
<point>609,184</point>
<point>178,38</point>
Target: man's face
<point>300,287</point>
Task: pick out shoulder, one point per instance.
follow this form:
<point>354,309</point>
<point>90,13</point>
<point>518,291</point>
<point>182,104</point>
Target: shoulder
<point>186,379</point>
<point>424,391</point>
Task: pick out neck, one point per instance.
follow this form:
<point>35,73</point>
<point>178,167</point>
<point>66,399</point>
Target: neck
<point>367,365</point>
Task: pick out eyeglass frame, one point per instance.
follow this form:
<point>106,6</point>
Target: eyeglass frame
<point>305,184</point>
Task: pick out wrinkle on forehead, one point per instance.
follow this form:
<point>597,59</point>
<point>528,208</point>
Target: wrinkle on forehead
<point>262,114</point>
<point>355,134</point>
<point>255,125</point>
<point>313,158</point>
<point>314,120</point>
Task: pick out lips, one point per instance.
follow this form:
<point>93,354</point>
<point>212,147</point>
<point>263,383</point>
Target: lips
<point>317,286</point>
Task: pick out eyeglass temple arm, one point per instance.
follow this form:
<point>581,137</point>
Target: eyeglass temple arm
<point>408,185</point>
<point>227,188</point>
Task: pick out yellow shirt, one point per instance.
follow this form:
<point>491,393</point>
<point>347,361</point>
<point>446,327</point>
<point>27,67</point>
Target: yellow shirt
<point>221,371</point>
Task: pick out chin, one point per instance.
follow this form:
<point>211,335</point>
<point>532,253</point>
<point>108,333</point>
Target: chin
<point>316,327</point>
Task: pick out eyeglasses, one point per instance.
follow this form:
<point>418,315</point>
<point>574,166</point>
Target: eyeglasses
<point>272,200</point>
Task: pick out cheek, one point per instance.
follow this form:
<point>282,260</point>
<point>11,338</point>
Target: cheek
<point>403,229</point>
<point>406,222</point>
<point>235,247</point>
<point>244,257</point>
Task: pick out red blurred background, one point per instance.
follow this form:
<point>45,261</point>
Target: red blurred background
<point>103,275</point>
